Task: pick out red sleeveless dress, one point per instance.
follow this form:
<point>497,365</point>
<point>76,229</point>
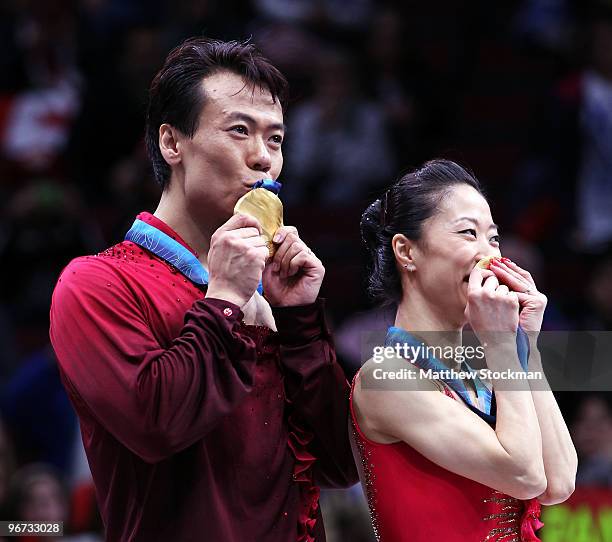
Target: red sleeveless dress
<point>412,499</point>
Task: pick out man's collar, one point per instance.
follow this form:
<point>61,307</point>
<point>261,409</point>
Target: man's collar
<point>152,220</point>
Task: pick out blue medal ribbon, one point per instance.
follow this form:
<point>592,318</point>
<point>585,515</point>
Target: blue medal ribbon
<point>268,184</point>
<point>172,252</point>
<point>486,399</point>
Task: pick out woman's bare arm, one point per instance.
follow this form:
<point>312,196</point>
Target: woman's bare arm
<point>508,458</point>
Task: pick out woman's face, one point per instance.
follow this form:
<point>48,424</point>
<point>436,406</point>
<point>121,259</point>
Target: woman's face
<point>454,239</point>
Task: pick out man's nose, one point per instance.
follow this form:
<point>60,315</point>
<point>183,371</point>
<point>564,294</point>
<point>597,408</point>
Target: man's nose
<point>259,156</point>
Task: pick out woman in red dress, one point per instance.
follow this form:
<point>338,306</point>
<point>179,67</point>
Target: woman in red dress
<point>446,459</point>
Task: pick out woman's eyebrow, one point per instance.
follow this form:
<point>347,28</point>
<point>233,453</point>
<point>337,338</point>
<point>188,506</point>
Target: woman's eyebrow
<point>475,221</point>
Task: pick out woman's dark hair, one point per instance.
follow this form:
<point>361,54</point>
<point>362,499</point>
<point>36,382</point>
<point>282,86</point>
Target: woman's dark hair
<point>403,208</point>
<point>176,96</point>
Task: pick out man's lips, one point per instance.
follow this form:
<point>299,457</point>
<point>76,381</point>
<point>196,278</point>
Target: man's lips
<point>251,184</point>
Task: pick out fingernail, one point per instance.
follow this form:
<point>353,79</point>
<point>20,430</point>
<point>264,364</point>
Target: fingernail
<point>277,238</point>
<point>506,260</point>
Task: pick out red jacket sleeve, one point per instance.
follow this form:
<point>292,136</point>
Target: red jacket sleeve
<point>317,387</point>
<point>154,401</point>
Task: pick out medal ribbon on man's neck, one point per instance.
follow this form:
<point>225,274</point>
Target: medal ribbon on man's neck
<point>171,251</point>
<point>397,335</point>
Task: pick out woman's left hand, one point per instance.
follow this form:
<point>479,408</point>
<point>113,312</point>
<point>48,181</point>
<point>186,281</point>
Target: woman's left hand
<point>532,303</point>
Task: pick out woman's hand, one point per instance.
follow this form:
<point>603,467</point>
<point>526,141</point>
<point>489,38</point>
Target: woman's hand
<point>532,303</point>
<point>491,308</point>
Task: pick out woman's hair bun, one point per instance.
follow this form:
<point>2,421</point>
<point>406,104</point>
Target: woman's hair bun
<point>404,208</point>
<point>371,225</point>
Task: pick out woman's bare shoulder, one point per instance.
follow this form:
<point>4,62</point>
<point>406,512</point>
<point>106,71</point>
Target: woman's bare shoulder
<point>381,385</point>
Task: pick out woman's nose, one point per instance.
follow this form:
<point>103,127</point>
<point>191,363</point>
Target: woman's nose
<point>486,251</point>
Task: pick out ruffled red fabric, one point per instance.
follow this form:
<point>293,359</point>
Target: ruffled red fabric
<point>530,521</point>
<point>298,441</point>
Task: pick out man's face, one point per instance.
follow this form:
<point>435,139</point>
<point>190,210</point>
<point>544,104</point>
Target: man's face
<point>238,142</point>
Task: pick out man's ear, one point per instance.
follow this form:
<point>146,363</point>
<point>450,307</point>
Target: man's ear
<point>403,248</point>
<point>169,144</point>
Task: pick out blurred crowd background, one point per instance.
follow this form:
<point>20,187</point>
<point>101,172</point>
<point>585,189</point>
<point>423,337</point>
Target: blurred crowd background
<point>520,91</point>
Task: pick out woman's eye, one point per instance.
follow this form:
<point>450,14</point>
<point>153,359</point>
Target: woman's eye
<point>495,238</point>
<point>470,231</point>
<point>240,129</point>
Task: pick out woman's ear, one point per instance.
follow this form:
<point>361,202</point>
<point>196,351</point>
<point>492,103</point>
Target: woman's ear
<point>403,248</point>
<point>169,145</point>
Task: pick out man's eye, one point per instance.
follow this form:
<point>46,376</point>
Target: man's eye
<point>240,129</point>
<point>470,231</point>
<point>277,139</point>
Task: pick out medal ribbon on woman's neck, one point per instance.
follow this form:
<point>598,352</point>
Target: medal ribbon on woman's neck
<point>172,252</point>
<point>397,335</point>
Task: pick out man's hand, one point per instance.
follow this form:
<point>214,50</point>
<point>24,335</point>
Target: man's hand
<point>294,275</point>
<point>236,260</point>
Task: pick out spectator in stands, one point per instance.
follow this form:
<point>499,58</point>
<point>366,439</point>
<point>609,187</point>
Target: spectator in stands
<point>38,493</point>
<point>599,295</point>
<point>35,126</point>
<point>336,13</point>
<point>7,463</point>
<point>592,435</point>
<point>340,148</point>
<point>392,83</point>
<point>574,154</point>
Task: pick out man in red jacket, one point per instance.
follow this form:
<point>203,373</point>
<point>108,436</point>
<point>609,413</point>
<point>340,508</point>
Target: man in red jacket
<point>208,410</point>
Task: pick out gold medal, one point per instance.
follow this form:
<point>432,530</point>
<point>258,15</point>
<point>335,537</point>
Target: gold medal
<point>267,208</point>
<point>484,263</point>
